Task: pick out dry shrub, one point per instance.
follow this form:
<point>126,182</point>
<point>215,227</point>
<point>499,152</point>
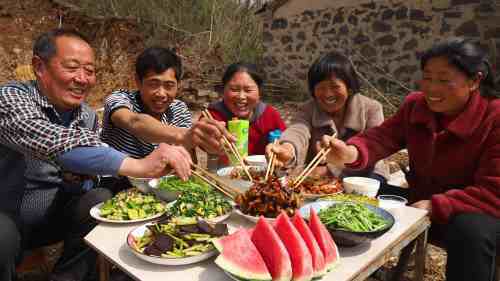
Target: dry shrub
<point>193,27</point>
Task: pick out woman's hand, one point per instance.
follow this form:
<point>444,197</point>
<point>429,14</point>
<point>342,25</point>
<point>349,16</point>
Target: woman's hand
<point>284,153</point>
<point>340,153</point>
<point>424,205</point>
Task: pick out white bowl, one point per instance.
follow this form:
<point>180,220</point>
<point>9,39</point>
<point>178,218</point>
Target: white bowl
<point>256,160</point>
<point>361,185</point>
<point>391,202</point>
<point>141,183</point>
<point>165,195</point>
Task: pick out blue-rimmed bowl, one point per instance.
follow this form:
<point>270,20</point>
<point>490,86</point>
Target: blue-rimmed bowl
<point>345,237</point>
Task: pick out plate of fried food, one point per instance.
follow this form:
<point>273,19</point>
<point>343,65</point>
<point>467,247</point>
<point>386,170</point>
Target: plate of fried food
<point>268,199</point>
<point>315,186</point>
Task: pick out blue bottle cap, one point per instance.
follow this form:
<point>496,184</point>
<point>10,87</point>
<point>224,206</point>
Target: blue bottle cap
<point>274,135</point>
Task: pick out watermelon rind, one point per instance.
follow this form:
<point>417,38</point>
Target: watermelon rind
<point>239,272</point>
<point>234,266</point>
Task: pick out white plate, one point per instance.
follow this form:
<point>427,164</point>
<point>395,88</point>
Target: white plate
<point>317,206</point>
<point>95,212</point>
<point>139,232</point>
<point>251,218</point>
<point>256,160</point>
<point>241,185</point>
<point>312,196</point>
<point>212,220</point>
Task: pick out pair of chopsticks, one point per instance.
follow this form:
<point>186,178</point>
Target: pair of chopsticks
<point>271,164</point>
<point>233,149</point>
<point>312,165</point>
<point>215,182</point>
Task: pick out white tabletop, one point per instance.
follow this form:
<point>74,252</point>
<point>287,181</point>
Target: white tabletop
<point>110,241</point>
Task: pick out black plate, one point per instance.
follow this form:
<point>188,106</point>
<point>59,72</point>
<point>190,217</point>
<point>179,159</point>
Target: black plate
<point>351,238</point>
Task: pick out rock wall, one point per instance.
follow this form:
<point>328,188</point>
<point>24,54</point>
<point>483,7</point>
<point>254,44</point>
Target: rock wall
<point>384,38</point>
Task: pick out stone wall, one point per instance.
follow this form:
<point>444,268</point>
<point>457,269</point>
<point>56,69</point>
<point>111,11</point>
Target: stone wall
<point>385,38</point>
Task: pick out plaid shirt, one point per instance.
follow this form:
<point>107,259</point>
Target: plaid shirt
<point>30,125</point>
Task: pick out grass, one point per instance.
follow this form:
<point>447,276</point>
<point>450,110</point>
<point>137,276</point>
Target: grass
<point>229,29</point>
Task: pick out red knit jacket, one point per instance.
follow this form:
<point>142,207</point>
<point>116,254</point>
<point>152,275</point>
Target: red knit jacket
<point>457,167</point>
<point>265,119</point>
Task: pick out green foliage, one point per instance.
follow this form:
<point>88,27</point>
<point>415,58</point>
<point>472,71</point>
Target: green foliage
<point>196,26</point>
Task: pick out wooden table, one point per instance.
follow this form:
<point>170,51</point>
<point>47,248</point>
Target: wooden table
<point>357,263</point>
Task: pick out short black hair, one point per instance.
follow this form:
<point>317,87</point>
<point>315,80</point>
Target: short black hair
<point>157,59</point>
<point>466,56</point>
<point>45,44</point>
<point>333,63</point>
<point>249,68</point>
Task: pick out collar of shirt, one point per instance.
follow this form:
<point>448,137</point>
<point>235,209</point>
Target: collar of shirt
<point>354,118</point>
<point>44,103</point>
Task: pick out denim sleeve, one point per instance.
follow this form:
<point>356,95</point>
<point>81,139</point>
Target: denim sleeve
<point>92,160</point>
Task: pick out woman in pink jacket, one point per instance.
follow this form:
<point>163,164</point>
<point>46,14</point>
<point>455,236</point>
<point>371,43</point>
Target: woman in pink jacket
<point>451,129</point>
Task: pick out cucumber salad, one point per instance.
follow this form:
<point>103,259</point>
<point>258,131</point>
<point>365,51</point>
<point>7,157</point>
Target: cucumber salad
<point>131,205</point>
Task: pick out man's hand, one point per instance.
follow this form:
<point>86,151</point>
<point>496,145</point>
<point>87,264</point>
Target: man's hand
<point>207,134</point>
<point>159,162</point>
<point>424,205</point>
<point>284,153</point>
<point>340,153</point>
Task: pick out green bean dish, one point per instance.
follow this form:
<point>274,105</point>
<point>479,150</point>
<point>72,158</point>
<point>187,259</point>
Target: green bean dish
<point>352,217</point>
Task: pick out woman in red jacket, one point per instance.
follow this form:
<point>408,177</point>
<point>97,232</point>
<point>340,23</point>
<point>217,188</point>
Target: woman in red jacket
<point>451,129</point>
<point>242,89</point>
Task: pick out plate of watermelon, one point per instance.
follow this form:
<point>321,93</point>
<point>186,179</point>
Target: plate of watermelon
<point>286,249</point>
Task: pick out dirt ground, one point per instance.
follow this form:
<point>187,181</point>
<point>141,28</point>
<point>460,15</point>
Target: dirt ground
<point>116,44</point>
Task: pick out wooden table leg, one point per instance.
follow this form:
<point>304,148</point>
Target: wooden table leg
<point>420,254</point>
<point>103,266</point>
<point>404,259</point>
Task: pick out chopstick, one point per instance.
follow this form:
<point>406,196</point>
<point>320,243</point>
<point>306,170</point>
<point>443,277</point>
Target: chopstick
<point>216,180</point>
<point>270,165</point>
<point>312,165</point>
<point>199,175</point>
<point>231,146</point>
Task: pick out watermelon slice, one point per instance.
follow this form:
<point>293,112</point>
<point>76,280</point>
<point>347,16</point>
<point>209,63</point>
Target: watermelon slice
<point>325,240</point>
<point>302,267</point>
<point>318,260</point>
<point>272,250</point>
<point>248,266</point>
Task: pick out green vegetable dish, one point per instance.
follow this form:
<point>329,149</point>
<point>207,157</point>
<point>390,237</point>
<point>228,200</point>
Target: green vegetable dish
<point>175,184</point>
<point>178,239</point>
<point>351,217</point>
<point>131,205</point>
<point>205,203</point>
